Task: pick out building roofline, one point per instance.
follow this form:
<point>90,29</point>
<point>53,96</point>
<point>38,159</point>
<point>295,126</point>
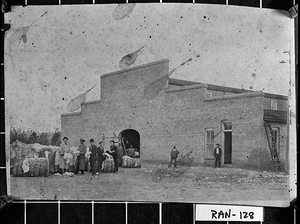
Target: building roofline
<point>91,102</point>
<point>180,82</point>
<point>276,96</point>
<point>189,87</point>
<point>135,68</point>
<point>70,114</point>
<point>235,96</point>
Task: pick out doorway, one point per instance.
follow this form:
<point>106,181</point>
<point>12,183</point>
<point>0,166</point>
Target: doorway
<point>130,137</point>
<point>227,129</point>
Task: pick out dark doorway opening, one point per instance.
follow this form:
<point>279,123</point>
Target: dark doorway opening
<point>130,137</point>
<point>228,148</point>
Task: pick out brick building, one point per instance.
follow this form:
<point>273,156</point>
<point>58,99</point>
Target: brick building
<point>250,126</point>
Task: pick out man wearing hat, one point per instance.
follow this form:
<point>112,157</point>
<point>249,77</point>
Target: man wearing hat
<point>100,156</point>
<point>81,157</point>
<point>93,156</point>
<point>217,155</point>
<point>114,152</point>
<point>64,148</point>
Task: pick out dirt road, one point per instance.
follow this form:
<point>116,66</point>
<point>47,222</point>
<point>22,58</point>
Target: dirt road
<point>157,183</point>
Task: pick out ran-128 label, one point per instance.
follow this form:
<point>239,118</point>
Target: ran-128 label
<point>228,213</point>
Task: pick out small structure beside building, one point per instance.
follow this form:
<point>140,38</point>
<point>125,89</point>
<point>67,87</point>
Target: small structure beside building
<point>251,127</point>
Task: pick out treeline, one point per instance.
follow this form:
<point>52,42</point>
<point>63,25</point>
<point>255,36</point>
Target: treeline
<point>31,137</point>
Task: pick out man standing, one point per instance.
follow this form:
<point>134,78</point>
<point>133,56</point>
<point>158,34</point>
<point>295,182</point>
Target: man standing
<point>93,157</point>
<point>120,154</point>
<point>81,157</point>
<point>131,152</point>
<point>64,148</point>
<point>56,162</point>
<point>100,156</point>
<point>114,152</point>
<point>217,155</point>
<point>68,156</point>
<point>174,155</point>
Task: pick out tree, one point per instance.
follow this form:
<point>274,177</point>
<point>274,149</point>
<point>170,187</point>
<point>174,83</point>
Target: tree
<point>56,138</point>
<point>33,137</point>
<point>13,135</point>
<point>43,139</point>
<point>23,136</point>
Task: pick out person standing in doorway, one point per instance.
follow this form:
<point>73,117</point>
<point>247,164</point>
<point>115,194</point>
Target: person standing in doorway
<point>217,155</point>
<point>174,155</point>
<point>81,157</point>
<point>136,153</point>
<point>131,152</point>
<point>93,157</point>
<point>114,152</point>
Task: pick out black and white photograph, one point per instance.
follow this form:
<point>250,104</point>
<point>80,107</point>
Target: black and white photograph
<point>151,103</point>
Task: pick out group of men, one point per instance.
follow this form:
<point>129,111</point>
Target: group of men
<point>68,163</point>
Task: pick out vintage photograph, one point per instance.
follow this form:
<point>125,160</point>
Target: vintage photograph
<point>151,102</point>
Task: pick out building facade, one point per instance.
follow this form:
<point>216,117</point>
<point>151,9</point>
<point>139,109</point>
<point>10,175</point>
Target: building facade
<point>251,127</point>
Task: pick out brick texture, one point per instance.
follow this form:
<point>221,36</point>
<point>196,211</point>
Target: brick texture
<point>177,116</point>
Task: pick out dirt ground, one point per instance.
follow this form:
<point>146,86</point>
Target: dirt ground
<point>154,182</point>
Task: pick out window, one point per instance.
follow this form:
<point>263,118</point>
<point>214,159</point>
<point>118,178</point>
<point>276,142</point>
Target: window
<point>275,142</point>
<point>209,143</point>
<point>208,94</point>
<point>227,126</point>
<point>273,104</point>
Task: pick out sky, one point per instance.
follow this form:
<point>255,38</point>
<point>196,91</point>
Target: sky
<point>55,53</point>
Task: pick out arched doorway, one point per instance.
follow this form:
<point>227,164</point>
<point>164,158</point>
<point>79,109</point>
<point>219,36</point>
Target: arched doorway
<point>131,137</point>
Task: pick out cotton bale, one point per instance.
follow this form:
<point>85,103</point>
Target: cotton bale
<point>51,162</point>
<point>46,168</point>
<point>32,167</point>
<point>15,170</point>
<point>137,162</point>
<point>108,166</point>
<point>125,161</point>
<point>13,154</point>
<point>19,170</point>
<point>22,150</point>
<point>128,162</point>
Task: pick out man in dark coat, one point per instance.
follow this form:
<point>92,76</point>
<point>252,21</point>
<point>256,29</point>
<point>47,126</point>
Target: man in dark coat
<point>120,154</point>
<point>217,155</point>
<point>80,163</point>
<point>114,152</point>
<point>174,155</point>
<point>100,156</point>
<point>93,157</point>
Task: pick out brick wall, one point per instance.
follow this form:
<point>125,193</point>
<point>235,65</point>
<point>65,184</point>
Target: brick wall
<point>128,85</point>
<point>175,117</point>
<point>245,112</point>
<point>71,127</point>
